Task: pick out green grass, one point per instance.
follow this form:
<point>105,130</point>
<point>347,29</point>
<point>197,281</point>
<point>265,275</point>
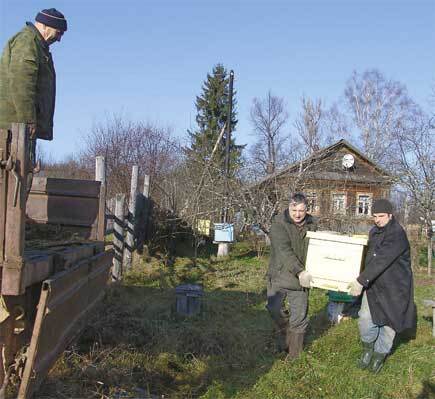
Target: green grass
<point>422,257</point>
<point>138,347</point>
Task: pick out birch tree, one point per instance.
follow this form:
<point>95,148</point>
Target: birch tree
<point>268,119</point>
<point>308,125</point>
<point>414,163</point>
<point>378,107</point>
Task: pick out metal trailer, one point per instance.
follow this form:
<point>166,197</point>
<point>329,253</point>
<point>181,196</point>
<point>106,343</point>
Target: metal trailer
<point>46,293</point>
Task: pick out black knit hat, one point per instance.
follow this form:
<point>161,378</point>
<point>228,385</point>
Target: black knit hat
<point>53,18</point>
<point>382,206</point>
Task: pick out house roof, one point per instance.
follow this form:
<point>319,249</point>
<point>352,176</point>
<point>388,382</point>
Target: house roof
<point>322,153</point>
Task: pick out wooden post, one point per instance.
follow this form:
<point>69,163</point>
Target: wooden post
<point>18,168</point>
<point>110,217</point>
<point>142,206</point>
<point>118,239</point>
<point>131,220</point>
<point>147,206</point>
<point>100,175</point>
<point>4,156</point>
<point>146,186</point>
<point>431,303</point>
<point>223,249</point>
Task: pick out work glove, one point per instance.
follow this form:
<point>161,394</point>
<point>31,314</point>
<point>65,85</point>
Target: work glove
<point>355,288</point>
<point>305,279</point>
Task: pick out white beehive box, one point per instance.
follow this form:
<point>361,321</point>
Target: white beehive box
<point>334,260</point>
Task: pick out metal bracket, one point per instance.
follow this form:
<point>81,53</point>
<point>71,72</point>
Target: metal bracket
<point>17,186</point>
<point>10,166</point>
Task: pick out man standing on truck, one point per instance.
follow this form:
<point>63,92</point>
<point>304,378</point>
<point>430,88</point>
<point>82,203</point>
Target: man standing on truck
<point>286,277</point>
<point>387,285</point>
<point>28,78</point>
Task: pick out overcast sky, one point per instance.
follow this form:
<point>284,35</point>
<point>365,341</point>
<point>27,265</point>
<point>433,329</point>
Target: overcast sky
<point>148,59</point>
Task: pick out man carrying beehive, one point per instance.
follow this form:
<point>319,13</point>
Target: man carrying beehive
<point>28,79</point>
<point>387,284</point>
<point>286,277</point>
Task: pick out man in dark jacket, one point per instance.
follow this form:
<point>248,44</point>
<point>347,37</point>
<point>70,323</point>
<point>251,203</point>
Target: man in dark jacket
<point>28,79</point>
<point>388,300</point>
<point>286,277</point>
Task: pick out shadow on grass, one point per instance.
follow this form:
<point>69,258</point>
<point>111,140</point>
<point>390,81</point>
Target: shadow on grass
<point>138,342</point>
<point>405,336</point>
<point>428,390</point>
<point>319,325</point>
<point>185,355</point>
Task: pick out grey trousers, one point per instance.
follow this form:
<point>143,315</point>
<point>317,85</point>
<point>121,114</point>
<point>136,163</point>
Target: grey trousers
<point>297,313</point>
<point>381,336</point>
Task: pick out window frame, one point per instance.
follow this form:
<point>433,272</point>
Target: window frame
<point>370,196</point>
<point>333,209</point>
<point>316,208</point>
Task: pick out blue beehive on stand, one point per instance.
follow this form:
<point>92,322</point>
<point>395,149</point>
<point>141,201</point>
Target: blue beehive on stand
<point>223,232</point>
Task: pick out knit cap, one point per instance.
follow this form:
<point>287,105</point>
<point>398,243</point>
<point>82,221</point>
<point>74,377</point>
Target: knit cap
<point>53,18</point>
<point>382,206</point>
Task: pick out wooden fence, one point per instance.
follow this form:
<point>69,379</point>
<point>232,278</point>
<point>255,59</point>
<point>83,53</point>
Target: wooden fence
<point>129,229</point>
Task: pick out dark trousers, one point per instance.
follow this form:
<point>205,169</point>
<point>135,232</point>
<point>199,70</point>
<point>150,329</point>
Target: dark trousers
<point>297,313</point>
<point>32,158</point>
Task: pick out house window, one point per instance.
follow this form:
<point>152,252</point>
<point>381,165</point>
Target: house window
<point>313,205</point>
<point>339,203</point>
<point>364,204</point>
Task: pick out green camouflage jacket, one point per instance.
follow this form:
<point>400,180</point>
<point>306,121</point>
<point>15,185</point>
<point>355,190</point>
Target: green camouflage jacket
<point>288,250</point>
<point>27,82</point>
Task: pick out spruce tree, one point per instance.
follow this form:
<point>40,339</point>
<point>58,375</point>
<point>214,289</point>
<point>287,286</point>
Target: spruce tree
<point>212,112</point>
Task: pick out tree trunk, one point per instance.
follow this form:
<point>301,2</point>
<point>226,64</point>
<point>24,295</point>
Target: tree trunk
<point>429,256</point>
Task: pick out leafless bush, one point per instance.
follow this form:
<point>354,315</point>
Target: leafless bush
<point>125,143</point>
<point>70,168</point>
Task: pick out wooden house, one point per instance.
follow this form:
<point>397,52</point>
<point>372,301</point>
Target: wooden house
<point>340,184</point>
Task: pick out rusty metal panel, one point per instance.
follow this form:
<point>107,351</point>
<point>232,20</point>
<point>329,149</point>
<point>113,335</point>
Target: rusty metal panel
<point>65,301</point>
<point>16,325</point>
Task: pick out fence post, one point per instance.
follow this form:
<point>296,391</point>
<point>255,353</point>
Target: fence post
<point>147,206</point>
<point>142,205</point>
<point>100,175</point>
<point>131,220</point>
<point>118,237</point>
<point>110,214</point>
<point>146,186</point>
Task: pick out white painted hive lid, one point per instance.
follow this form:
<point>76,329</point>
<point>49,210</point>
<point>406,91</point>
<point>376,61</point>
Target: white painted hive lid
<point>336,237</point>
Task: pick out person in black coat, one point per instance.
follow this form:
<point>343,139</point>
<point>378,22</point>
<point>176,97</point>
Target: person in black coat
<point>387,284</point>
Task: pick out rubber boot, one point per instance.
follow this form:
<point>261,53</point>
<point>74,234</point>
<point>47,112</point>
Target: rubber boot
<point>295,343</point>
<point>280,318</point>
<point>378,360</point>
<point>366,355</point>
